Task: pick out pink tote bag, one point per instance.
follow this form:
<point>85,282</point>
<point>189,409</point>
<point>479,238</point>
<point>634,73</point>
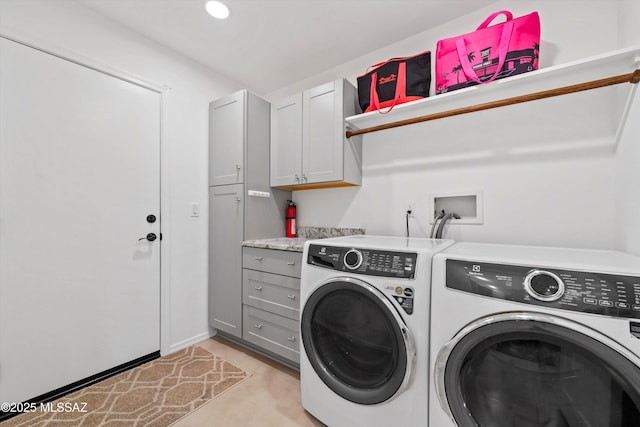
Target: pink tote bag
<point>489,53</point>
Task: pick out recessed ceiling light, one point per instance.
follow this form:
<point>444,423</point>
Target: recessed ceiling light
<point>217,9</point>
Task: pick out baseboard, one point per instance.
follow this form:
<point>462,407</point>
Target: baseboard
<point>189,341</point>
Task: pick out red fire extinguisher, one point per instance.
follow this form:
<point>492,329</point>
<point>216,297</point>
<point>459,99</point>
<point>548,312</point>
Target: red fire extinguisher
<point>291,219</point>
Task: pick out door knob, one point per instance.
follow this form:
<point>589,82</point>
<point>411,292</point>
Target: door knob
<point>150,237</point>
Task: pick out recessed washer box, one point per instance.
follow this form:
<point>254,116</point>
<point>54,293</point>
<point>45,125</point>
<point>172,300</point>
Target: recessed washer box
<point>466,204</point>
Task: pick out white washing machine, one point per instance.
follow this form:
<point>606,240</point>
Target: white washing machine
<point>534,337</point>
<point>364,328</point>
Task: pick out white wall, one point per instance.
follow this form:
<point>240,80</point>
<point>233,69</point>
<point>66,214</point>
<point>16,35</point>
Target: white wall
<point>567,219</point>
<point>563,199</point>
<point>72,28</point>
<point>627,196</point>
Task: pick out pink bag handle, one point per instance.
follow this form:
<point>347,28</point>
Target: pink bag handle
<point>493,16</point>
<point>505,38</point>
<point>401,87</point>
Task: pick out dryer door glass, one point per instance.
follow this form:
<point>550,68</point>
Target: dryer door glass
<point>356,341</point>
<point>531,374</point>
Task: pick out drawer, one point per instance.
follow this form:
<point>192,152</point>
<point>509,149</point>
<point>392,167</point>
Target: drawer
<point>272,332</point>
<point>272,261</point>
<point>271,292</point>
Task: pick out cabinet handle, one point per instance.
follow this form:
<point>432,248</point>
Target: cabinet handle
<point>291,339</point>
<point>258,288</point>
<point>293,297</point>
<point>304,178</point>
<point>258,258</point>
<point>237,199</point>
<point>297,178</point>
<point>237,168</point>
<point>258,326</point>
<point>291,263</point>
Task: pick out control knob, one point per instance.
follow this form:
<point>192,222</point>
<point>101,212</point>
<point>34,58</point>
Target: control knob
<point>352,259</point>
<point>544,285</point>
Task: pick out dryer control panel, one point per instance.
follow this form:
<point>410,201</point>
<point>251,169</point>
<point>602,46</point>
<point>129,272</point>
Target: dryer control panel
<point>586,292</point>
<point>371,262</point>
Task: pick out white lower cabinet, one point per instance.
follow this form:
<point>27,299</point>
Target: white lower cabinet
<point>271,301</point>
<point>271,332</point>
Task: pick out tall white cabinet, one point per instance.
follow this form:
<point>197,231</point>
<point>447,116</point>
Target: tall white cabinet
<point>242,206</point>
<point>308,144</point>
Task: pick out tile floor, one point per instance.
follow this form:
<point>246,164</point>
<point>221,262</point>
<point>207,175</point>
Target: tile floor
<point>270,397</point>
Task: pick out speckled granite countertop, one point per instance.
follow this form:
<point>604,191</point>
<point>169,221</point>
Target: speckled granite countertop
<point>296,244</point>
<point>293,244</point>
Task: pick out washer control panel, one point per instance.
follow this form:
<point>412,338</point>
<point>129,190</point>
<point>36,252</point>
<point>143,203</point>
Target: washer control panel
<point>587,292</point>
<point>371,262</point>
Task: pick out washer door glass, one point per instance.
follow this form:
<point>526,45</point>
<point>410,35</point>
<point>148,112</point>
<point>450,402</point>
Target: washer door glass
<point>533,374</point>
<point>356,341</point>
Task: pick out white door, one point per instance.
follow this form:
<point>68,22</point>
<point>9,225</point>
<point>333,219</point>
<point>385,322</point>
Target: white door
<point>79,174</point>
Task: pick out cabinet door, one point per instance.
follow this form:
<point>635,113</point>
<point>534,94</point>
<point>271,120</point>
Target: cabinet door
<point>322,139</point>
<point>286,141</point>
<point>226,212</point>
<point>226,139</point>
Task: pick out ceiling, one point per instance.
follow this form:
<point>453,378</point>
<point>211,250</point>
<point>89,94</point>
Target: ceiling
<point>268,44</point>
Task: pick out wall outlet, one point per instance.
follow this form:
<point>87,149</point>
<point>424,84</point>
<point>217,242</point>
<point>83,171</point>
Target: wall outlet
<point>411,206</point>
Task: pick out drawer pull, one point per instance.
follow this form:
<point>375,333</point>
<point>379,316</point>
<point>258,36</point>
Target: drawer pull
<point>258,326</point>
<point>293,297</point>
<point>258,288</point>
<point>258,258</point>
<point>291,338</point>
<point>291,263</point>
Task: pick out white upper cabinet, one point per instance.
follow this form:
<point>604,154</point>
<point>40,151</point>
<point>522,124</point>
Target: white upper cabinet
<point>286,141</point>
<point>227,131</point>
<point>308,144</point>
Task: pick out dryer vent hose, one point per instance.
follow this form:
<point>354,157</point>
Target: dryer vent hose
<point>443,220</point>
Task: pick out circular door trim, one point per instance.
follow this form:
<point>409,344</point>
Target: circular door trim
<point>402,333</point>
<point>442,359</point>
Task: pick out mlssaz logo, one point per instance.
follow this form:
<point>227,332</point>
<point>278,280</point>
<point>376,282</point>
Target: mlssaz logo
<point>389,79</point>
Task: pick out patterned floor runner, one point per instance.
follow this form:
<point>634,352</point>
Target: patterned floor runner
<point>155,394</point>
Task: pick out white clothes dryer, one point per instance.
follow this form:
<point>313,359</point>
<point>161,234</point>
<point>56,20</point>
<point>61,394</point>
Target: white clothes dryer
<point>364,328</point>
<point>534,337</point>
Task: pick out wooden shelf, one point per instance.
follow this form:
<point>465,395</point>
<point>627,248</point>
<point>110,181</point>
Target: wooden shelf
<point>576,115</point>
